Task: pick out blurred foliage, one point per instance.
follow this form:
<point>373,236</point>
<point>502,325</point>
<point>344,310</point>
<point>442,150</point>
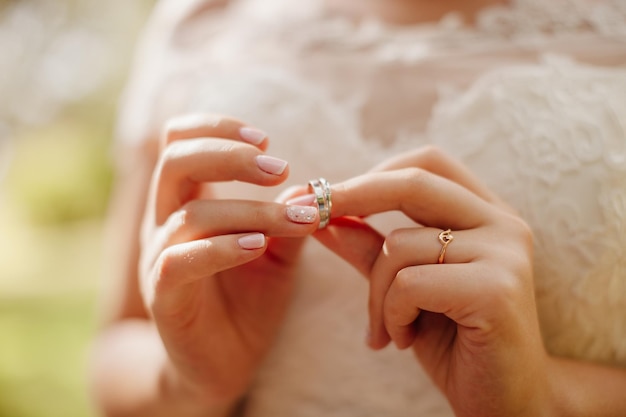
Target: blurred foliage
<point>62,66</point>
<point>61,172</point>
<point>42,362</point>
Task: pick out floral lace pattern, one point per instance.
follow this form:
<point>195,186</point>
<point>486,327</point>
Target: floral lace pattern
<point>525,19</point>
<point>559,125</point>
<point>556,16</point>
<point>547,135</point>
<point>559,132</point>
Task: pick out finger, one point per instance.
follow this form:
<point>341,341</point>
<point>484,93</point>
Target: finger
<point>185,164</point>
<point>433,159</point>
<point>407,247</point>
<point>285,250</point>
<point>189,262</point>
<point>353,240</point>
<point>466,293</point>
<point>428,199</point>
<point>198,125</point>
<point>205,218</point>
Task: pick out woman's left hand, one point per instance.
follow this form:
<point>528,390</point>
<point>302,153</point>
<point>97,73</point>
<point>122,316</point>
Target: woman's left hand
<point>471,319</point>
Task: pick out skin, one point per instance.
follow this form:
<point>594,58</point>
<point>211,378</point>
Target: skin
<point>195,310</point>
<point>213,306</point>
<point>471,321</point>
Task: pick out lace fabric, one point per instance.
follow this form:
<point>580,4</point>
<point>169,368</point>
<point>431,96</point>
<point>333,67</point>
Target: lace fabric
<point>520,19</point>
<point>563,165</point>
<point>556,16</point>
<point>531,99</point>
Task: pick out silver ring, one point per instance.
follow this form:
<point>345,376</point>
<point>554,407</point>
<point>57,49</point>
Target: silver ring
<point>321,188</point>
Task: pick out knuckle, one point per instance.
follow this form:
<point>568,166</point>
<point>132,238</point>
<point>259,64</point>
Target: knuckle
<point>404,279</point>
<point>172,127</point>
<point>507,286</point>
<point>517,249</point>
<point>414,179</point>
<point>177,127</point>
<point>263,215</point>
<point>433,153</point>
<point>518,228</point>
<point>396,295</point>
<point>164,268</point>
<point>395,241</point>
<point>189,214</point>
<point>184,222</point>
<point>524,232</point>
<point>176,224</point>
<point>169,155</point>
<point>413,174</point>
<point>503,291</point>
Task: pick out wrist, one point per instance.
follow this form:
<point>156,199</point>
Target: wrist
<point>569,388</point>
<point>195,400</point>
<point>556,401</point>
<point>543,399</point>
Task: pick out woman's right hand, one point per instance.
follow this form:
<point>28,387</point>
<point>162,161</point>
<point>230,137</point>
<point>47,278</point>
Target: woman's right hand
<point>216,275</point>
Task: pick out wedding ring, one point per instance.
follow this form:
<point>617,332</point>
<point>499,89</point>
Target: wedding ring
<point>445,237</point>
<point>321,189</point>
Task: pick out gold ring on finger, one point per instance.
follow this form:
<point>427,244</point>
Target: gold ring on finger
<point>445,237</point>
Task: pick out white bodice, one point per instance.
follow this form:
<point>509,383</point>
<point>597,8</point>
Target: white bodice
<point>533,99</point>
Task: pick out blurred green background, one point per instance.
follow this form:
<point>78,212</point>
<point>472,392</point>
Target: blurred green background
<point>62,66</point>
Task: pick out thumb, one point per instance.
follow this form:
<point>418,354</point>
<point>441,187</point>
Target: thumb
<point>354,240</point>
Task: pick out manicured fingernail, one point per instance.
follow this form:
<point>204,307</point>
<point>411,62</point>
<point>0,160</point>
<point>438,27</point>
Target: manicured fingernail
<point>271,165</point>
<point>303,200</point>
<point>252,135</point>
<point>301,214</point>
<point>255,241</point>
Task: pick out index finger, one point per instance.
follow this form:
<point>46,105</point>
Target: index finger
<point>441,163</point>
<point>428,199</point>
<point>196,125</point>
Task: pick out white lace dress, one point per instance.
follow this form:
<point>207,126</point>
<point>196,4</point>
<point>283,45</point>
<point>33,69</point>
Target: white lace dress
<point>533,99</point>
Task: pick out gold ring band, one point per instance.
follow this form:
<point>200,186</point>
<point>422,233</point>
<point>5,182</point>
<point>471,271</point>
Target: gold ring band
<point>445,237</point>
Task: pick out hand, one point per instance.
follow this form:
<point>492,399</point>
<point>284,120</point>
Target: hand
<point>471,320</point>
<point>216,275</point>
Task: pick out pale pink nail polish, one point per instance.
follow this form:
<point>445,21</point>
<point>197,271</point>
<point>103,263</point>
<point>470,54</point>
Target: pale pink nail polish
<point>255,241</point>
<point>301,214</point>
<point>271,165</point>
<point>252,135</point>
<point>303,200</point>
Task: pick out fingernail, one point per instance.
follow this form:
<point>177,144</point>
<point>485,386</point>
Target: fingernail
<point>271,165</point>
<point>368,337</point>
<point>255,241</point>
<point>303,200</point>
<point>252,135</point>
<point>301,214</point>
